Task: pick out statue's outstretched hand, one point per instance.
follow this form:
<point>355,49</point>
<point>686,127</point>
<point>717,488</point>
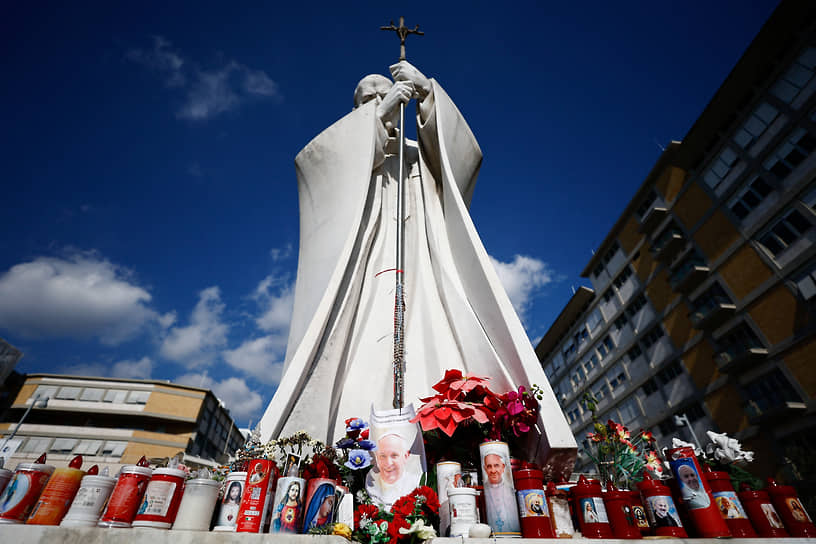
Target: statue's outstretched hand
<point>405,71</point>
<point>400,92</point>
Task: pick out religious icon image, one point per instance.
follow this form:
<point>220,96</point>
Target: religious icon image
<point>231,502</point>
<point>663,512</point>
<point>797,510</point>
<point>771,515</point>
<point>729,505</point>
<point>500,494</point>
<point>470,478</point>
<point>292,465</point>
<point>589,512</point>
<point>399,456</point>
<point>288,505</point>
<point>320,506</point>
<point>692,491</point>
<point>257,474</point>
<point>388,251</point>
<point>534,502</point>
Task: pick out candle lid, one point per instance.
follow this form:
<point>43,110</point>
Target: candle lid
<point>35,466</point>
<point>462,491</point>
<point>136,469</point>
<point>177,472</point>
<point>203,481</point>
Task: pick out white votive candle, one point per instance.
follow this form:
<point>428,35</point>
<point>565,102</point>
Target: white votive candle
<point>197,505</point>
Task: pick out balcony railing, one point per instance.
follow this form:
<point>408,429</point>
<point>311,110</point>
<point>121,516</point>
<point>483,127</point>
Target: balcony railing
<point>689,275</point>
<point>712,312</point>
<point>668,244</point>
<point>766,414</point>
<point>652,219</point>
<point>737,357</point>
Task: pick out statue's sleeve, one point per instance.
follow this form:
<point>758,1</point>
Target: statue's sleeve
<point>446,138</point>
<point>334,175</point>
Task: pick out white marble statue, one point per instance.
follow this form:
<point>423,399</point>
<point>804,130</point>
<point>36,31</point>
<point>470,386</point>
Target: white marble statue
<point>340,350</point>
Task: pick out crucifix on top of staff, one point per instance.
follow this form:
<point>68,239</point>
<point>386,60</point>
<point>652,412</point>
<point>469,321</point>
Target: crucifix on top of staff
<point>399,299</point>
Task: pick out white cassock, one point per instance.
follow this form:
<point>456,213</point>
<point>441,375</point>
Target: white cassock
<point>340,349</point>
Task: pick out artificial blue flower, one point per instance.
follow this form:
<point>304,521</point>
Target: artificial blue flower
<point>345,443</point>
<point>355,424</point>
<point>358,459</point>
<point>366,445</point>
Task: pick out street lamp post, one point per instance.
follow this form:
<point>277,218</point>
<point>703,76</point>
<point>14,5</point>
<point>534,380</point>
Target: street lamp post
<point>39,402</point>
<point>682,419</point>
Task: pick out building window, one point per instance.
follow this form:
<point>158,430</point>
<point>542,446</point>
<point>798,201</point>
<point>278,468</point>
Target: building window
<point>68,393</point>
<point>651,338</point>
<point>616,377</point>
<point>605,346</point>
<point>769,391</point>
<point>570,350</point>
<point>694,412</point>
<point>578,377</point>
<point>806,283</point>
<point>646,205</point>
<point>114,448</point>
<point>650,386</point>
<point>557,362</point>
<point>788,87</point>
<point>138,397</point>
<point>594,319</point>
<point>574,414</point>
<point>669,373</point>
<point>44,391</point>
<point>625,274</point>
<point>88,447</point>
<point>634,353</point>
<point>581,335</point>
<point>667,426</point>
<point>36,445</point>
<point>713,297</point>
<point>600,390</point>
<point>739,340</point>
<point>92,394</point>
<point>591,363</point>
<point>750,197</point>
<point>787,230</point>
<point>63,445</point>
<point>720,167</point>
<point>791,153</point>
<point>755,126</point>
<point>636,306</point>
<point>629,410</point>
<point>621,322</point>
<point>607,296</point>
<point>116,396</point>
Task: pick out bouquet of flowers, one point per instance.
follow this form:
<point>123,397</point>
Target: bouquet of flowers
<point>353,454</point>
<point>618,456</point>
<point>466,410</point>
<point>411,519</point>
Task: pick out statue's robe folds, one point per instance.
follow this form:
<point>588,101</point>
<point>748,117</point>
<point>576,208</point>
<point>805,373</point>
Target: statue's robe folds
<point>340,349</point>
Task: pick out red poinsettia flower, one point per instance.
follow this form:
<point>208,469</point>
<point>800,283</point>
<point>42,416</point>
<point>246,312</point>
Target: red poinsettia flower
<point>364,434</point>
<point>455,384</point>
<point>446,415</point>
<point>404,506</point>
<point>595,437</point>
<point>431,499</point>
<point>365,510</point>
<point>394,526</point>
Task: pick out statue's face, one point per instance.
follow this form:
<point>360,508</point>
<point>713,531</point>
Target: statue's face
<point>373,87</point>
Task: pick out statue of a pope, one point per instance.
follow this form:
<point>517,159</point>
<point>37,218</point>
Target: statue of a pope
<point>340,350</point>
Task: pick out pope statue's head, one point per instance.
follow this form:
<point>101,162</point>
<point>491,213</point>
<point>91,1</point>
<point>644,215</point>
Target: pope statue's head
<point>371,87</point>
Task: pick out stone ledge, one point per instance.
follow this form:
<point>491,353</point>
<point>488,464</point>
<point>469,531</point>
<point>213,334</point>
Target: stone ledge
<point>25,534</point>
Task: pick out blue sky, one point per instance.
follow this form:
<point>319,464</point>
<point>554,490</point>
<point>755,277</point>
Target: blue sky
<point>149,204</point>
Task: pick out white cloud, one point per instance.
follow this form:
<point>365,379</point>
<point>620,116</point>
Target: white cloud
<point>127,369</point>
<point>209,91</point>
<point>275,299</point>
<point>80,296</point>
<point>242,402</point>
<point>281,253</point>
<point>196,344</point>
<point>522,278</point>
<point>260,358</point>
<point>162,59</point>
